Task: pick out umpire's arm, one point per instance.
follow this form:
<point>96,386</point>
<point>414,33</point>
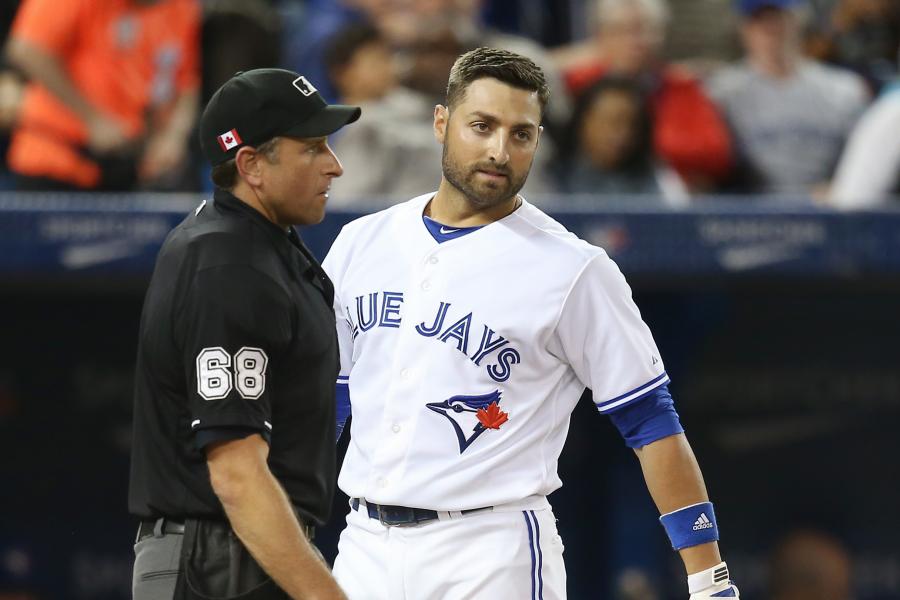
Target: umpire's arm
<point>262,517</point>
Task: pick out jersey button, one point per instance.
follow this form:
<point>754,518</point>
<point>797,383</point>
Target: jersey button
<point>426,285</point>
<point>395,428</point>
<point>381,482</point>
<point>404,374</point>
<point>433,260</point>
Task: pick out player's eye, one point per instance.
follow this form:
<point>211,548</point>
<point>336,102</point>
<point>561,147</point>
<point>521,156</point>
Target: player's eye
<point>523,136</point>
<point>480,126</point>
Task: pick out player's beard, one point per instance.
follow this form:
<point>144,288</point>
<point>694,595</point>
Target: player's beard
<point>482,195</point>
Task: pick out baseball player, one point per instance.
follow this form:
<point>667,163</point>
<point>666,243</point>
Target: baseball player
<point>469,325</point>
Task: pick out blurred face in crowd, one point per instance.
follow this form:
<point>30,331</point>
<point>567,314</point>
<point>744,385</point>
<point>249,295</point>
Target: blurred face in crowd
<point>770,33</point>
<point>610,128</point>
<point>490,137</point>
<point>292,181</point>
<point>429,57</point>
<point>630,38</point>
<point>368,75</point>
<point>401,21</point>
<point>811,566</point>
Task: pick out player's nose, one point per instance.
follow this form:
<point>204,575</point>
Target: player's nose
<point>497,150</point>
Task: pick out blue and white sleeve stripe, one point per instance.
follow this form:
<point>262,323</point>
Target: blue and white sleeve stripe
<point>638,392</point>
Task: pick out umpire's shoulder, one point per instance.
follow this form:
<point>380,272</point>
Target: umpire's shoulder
<point>209,239</point>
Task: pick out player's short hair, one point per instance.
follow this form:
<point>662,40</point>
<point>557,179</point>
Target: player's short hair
<point>510,68</point>
<point>225,175</point>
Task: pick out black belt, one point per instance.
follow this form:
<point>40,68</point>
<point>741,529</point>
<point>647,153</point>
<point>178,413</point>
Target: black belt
<point>159,527</point>
<point>402,515</point>
<point>163,526</point>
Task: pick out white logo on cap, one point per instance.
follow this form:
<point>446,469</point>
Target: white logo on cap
<point>305,87</point>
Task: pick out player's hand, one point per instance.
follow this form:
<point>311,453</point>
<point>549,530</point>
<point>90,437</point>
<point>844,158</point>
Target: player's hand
<point>105,135</point>
<point>722,590</point>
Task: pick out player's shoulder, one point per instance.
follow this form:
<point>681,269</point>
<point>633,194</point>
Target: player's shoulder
<point>551,238</point>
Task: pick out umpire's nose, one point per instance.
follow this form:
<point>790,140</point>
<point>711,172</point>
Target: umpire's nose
<point>334,168</point>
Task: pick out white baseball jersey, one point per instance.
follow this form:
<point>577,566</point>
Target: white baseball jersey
<point>465,358</point>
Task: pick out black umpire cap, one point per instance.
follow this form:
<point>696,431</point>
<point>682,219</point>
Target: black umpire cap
<point>254,106</point>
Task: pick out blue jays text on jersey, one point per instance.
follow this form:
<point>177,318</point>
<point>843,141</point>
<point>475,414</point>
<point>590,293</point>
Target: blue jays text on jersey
<point>383,309</point>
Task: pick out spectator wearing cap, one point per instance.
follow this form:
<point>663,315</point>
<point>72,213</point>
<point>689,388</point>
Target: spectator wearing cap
<point>689,132</point>
<point>233,454</point>
<point>790,115</point>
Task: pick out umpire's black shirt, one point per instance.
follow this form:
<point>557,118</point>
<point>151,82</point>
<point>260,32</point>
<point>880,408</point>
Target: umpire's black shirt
<point>237,334</point>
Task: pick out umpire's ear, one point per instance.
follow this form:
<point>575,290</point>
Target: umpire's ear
<point>441,119</point>
<point>247,162</point>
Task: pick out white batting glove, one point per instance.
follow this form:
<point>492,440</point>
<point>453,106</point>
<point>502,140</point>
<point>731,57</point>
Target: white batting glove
<point>712,583</point>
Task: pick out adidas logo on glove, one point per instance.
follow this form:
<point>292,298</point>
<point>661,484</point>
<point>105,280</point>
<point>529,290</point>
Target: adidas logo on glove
<point>702,523</point>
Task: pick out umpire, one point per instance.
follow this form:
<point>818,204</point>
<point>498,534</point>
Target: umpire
<point>234,461</point>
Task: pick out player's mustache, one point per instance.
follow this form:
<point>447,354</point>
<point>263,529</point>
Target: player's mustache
<point>493,168</point>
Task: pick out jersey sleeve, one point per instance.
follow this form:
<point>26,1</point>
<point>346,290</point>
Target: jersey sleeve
<point>235,323</point>
<point>49,24</point>
<point>334,264</point>
<point>601,335</point>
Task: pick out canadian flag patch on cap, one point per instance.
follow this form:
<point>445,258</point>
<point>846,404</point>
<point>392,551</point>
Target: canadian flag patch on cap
<point>229,140</point>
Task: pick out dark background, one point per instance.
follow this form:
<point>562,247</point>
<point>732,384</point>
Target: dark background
<point>788,387</point>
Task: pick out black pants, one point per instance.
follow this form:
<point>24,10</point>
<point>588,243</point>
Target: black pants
<point>207,562</point>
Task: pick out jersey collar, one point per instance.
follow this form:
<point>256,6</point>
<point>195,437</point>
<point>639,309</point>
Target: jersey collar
<point>288,242</point>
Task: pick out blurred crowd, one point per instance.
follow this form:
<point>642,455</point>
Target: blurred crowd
<point>667,102</point>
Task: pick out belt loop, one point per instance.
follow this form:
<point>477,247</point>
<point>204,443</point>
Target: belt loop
<point>158,527</point>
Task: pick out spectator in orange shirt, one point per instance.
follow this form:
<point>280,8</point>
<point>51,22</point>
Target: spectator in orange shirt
<point>113,91</point>
<point>689,133</point>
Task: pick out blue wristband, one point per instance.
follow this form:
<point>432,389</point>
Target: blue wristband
<point>691,526</point>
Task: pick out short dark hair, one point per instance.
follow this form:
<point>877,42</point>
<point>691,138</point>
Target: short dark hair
<point>225,175</point>
<point>510,68</point>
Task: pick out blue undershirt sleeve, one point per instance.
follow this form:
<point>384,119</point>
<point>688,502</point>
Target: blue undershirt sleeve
<point>648,419</point>
<point>342,409</point>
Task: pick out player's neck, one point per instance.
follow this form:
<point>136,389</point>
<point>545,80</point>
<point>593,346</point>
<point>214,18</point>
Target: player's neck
<point>452,208</point>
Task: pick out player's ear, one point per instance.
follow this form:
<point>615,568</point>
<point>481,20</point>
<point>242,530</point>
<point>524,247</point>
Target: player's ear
<point>441,118</point>
<point>247,162</point>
